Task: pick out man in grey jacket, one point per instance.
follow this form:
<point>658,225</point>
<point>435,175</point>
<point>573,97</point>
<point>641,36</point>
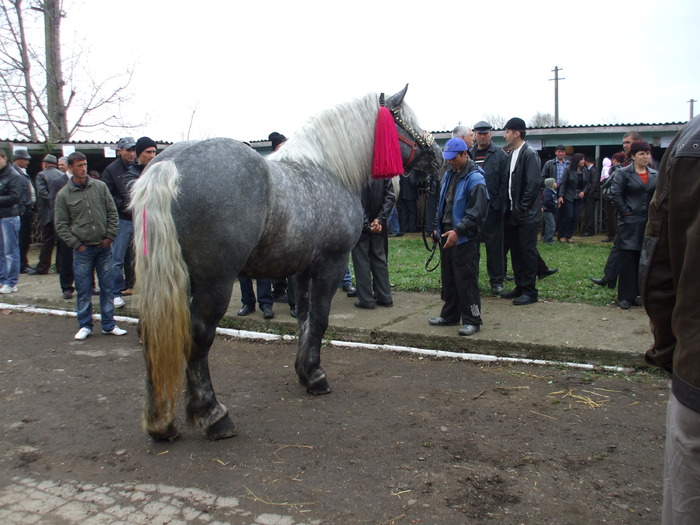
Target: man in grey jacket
<point>86,219</point>
<point>44,178</point>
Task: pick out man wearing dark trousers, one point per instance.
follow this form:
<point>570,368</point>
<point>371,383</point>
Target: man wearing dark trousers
<point>44,178</point>
<point>494,162</point>
<point>523,212</point>
<point>461,213</point>
<point>591,199</point>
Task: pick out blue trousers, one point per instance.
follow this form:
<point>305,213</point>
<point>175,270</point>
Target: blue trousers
<point>99,259</point>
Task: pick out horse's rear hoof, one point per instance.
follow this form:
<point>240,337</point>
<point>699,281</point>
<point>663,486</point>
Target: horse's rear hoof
<point>169,434</point>
<point>222,429</point>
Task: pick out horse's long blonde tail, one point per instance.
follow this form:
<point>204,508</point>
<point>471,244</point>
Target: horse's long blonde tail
<point>162,285</point>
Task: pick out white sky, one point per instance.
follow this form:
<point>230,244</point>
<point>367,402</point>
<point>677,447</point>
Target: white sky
<point>249,68</point>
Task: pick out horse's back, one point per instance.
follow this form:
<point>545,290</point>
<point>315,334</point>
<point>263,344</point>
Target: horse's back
<point>222,202</point>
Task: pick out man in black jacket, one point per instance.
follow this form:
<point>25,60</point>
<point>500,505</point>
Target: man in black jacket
<point>523,212</point>
<point>369,255</point>
<point>112,177</point>
<point>591,199</point>
<point>668,276</point>
<point>44,178</point>
<point>10,202</point>
<point>494,162</point>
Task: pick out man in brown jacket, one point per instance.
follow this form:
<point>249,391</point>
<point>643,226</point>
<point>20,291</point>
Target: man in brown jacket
<point>668,274</point>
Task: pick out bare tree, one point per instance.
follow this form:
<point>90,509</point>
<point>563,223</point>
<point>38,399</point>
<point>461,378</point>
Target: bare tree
<point>36,97</point>
<point>497,121</point>
<point>544,120</point>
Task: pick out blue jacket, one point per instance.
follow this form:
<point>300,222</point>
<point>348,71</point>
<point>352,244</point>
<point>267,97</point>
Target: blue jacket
<point>471,202</point>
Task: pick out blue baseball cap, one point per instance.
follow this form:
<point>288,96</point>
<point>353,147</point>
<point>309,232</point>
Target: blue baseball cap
<point>453,147</point>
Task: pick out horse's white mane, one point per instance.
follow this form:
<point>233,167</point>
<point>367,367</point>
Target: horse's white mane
<point>340,138</point>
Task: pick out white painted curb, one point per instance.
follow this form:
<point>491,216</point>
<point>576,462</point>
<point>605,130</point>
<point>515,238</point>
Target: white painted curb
<point>261,336</point>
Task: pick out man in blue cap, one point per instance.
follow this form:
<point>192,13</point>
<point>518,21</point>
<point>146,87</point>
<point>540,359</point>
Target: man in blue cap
<point>461,213</point>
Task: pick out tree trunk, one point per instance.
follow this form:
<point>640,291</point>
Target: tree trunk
<point>56,105</point>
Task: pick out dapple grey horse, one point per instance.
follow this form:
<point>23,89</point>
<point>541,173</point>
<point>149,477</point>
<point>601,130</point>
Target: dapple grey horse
<point>206,211</point>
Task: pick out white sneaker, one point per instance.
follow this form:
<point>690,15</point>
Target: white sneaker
<point>118,302</point>
<point>83,333</point>
<point>114,331</point>
<point>6,288</point>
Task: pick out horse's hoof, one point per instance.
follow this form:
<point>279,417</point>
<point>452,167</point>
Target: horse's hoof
<point>320,388</point>
<point>169,434</point>
<point>222,429</point>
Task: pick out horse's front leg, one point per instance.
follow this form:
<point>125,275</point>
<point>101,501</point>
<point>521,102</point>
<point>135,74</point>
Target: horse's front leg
<point>203,409</point>
<point>313,308</point>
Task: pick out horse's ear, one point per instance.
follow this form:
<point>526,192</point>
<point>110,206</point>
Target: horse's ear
<point>396,100</point>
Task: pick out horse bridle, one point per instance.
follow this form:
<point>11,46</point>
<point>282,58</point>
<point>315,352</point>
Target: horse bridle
<point>423,140</point>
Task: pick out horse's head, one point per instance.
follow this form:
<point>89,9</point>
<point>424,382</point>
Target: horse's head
<point>418,147</point>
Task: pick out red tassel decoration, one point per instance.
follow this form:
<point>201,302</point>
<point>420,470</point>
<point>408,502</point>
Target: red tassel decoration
<point>386,162</point>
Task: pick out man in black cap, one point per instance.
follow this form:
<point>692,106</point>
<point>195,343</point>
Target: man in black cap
<point>28,204</point>
<point>44,178</point>
<point>523,212</point>
<point>145,150</point>
<point>276,140</point>
<point>494,162</point>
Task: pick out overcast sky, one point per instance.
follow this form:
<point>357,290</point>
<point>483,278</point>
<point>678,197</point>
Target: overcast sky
<point>244,69</point>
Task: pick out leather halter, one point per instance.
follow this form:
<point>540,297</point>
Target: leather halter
<point>423,140</point>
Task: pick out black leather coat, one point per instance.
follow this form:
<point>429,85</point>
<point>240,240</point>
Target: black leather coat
<point>525,185</point>
<point>631,198</point>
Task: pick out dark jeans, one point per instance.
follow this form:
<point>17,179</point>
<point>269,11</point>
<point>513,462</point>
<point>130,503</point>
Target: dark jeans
<point>589,215</point>
<point>264,287</point>
<point>459,267</point>
<point>100,260</point>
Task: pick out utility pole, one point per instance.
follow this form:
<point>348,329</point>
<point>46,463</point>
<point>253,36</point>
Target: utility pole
<point>691,107</point>
<point>556,94</point>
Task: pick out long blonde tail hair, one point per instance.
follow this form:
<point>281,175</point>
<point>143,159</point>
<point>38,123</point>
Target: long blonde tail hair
<point>162,285</point>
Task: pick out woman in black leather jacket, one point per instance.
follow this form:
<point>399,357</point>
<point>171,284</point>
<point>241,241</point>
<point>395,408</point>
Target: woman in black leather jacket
<point>631,193</point>
<point>573,188</point>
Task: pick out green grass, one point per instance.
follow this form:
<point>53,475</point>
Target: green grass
<point>576,264</point>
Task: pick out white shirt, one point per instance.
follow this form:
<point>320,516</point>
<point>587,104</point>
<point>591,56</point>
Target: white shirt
<point>513,162</point>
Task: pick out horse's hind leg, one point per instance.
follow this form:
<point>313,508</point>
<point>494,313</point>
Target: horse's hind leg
<point>314,297</point>
<point>209,305</point>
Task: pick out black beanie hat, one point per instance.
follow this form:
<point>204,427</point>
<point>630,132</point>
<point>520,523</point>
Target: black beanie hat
<point>276,139</point>
<point>145,143</point>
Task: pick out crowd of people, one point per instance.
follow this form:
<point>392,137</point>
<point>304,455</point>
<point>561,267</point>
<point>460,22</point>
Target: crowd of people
<point>496,196</point>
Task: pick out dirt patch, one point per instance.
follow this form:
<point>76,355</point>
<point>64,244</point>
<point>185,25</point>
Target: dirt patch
<point>401,440</point>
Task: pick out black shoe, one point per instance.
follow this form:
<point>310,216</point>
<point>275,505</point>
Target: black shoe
<point>34,271</point>
<point>246,310</point>
<point>625,305</point>
<point>511,295</point>
<point>637,302</point>
<point>26,269</point>
<point>350,290</point>
<point>524,299</point>
<point>509,278</point>
<point>267,312</point>
<point>68,295</point>
<point>603,282</point>
<point>586,234</point>
<point>440,321</point>
<point>547,273</point>
<point>496,289</point>
<point>281,298</point>
<point>607,240</point>
<point>387,304</point>
<point>293,312</point>
<point>366,306</point>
